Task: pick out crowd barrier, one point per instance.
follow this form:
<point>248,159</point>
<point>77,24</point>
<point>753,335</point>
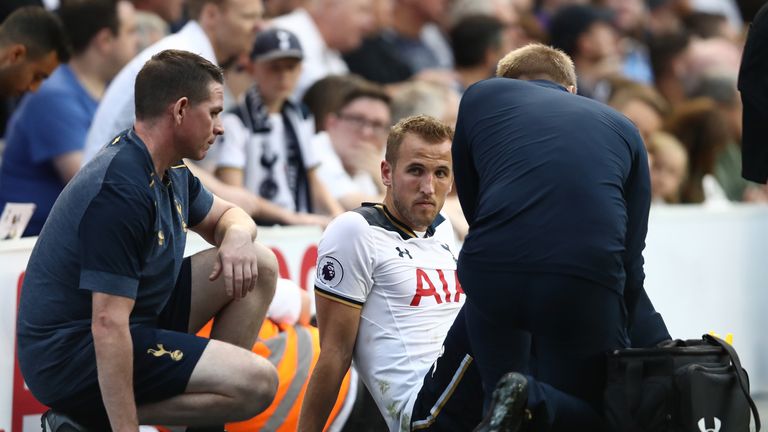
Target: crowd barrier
<point>706,271</point>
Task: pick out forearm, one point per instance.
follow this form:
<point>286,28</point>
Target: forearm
<point>322,391</point>
<point>234,219</point>
<point>114,364</point>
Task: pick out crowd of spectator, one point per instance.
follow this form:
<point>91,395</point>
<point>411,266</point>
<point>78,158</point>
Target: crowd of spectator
<point>310,100</point>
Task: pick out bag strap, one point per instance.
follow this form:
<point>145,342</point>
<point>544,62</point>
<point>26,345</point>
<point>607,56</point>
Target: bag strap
<point>740,374</point>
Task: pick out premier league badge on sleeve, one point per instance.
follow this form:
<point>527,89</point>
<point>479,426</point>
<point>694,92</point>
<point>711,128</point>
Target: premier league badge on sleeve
<point>329,271</point>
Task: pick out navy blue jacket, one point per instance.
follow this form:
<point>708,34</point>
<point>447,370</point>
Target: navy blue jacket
<point>551,182</point>
<point>753,85</point>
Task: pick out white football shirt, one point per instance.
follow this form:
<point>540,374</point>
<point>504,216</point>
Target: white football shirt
<point>409,294</point>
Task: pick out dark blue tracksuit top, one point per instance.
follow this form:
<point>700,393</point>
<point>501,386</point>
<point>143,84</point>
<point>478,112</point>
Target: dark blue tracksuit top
<point>550,182</point>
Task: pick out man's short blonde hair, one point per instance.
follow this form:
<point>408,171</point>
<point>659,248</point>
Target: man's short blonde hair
<point>429,129</point>
<point>538,61</point>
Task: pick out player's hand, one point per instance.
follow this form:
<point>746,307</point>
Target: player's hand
<point>236,260</point>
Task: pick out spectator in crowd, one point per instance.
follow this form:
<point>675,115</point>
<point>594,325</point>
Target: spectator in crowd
<point>109,306</point>
<point>722,90</point>
<point>557,227</point>
<point>586,34</point>
<point>669,166</point>
<point>513,35</point>
<point>410,18</point>
<point>478,43</point>
<point>266,146</point>
<point>377,271</point>
<point>640,103</point>
<point>630,18</point>
<point>40,161</point>
<point>326,29</point>
<point>219,30</point>
<point>377,59</point>
<point>406,44</point>
<point>352,146</point>
<point>671,65</point>
<point>32,44</point>
<point>703,129</point>
<point>327,94</point>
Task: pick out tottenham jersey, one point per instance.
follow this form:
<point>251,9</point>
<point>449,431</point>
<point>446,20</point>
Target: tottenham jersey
<point>409,294</point>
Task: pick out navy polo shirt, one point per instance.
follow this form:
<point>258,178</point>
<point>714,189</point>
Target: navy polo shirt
<point>550,182</point>
<point>117,228</point>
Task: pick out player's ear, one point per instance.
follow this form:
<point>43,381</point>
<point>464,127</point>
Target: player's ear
<point>180,109</point>
<point>386,173</point>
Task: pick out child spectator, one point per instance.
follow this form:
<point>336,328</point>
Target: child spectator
<point>669,164</point>
<point>266,146</point>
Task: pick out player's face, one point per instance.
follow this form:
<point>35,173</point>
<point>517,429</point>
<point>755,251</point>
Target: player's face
<point>201,124</point>
<point>419,182</point>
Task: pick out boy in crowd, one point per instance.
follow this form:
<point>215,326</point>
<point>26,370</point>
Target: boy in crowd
<point>267,144</point>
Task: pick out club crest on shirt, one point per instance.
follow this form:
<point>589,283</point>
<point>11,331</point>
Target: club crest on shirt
<point>329,270</point>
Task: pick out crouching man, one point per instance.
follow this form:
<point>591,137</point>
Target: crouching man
<point>109,306</point>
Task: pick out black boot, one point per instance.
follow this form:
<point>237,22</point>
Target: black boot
<point>52,421</point>
<point>508,412</point>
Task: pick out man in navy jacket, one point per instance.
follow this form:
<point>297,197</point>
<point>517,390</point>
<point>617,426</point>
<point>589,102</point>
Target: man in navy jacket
<point>556,191</point>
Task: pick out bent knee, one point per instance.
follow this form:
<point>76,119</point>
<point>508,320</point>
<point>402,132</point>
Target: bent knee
<point>256,389</point>
<point>267,266</point>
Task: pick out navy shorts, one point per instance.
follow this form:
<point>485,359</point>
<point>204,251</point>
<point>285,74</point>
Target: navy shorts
<point>451,397</point>
<point>163,359</point>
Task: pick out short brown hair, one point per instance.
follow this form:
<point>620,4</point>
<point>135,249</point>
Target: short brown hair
<point>39,30</point>
<point>430,129</point>
<point>538,61</point>
<point>325,96</point>
<point>170,75</point>
<point>364,89</point>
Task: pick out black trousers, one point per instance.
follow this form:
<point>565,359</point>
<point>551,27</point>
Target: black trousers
<point>553,328</point>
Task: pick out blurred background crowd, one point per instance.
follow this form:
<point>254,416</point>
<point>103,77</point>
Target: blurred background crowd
<point>314,85</point>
